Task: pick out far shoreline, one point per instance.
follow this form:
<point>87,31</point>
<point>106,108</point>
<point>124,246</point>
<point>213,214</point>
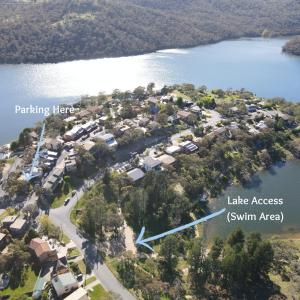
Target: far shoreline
<point>140,53</point>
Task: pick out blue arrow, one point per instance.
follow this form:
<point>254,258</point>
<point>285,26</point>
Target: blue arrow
<point>143,242</point>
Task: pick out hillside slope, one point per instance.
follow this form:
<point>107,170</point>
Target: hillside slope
<point>59,30</point>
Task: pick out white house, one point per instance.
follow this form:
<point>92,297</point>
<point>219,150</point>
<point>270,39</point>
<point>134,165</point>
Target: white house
<point>64,283</point>
<point>151,164</point>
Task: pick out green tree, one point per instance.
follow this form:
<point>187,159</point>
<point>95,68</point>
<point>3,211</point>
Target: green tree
<point>169,254</point>
<point>198,270</point>
<point>126,272</point>
<point>179,102</point>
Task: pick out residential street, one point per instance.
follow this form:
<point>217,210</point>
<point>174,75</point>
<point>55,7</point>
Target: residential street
<point>61,217</point>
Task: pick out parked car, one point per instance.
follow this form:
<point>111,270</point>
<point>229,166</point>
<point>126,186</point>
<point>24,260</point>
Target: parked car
<point>67,201</point>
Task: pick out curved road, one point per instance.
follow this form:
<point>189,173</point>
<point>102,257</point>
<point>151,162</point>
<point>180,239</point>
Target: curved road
<point>61,217</point>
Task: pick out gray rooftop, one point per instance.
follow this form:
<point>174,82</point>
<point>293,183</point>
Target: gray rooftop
<point>136,174</point>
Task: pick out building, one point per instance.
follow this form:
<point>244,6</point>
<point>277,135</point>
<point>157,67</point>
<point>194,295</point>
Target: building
<point>54,179</point>
<point>89,126</point>
<point>109,139</point>
<point>18,227</point>
<point>70,165</point>
<point>79,294</point>
<point>166,159</point>
<point>135,174</point>
<point>53,154</point>
<point>153,107</point>
<point>151,164</point>
<point>64,283</point>
<point>70,119</point>
<point>251,108</point>
<point>54,144</point>
<point>183,114</point>
<point>74,134</point>
<point>8,220</point>
<point>188,146</point>
<point>172,149</point>
<point>196,110</point>
<point>174,119</point>
<point>42,250</point>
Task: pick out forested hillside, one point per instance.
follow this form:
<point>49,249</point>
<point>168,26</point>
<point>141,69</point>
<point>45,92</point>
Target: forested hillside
<point>292,46</point>
<point>59,30</point>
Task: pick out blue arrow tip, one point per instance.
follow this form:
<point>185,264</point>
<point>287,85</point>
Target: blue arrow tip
<point>140,242</point>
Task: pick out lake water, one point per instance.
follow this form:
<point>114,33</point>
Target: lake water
<point>255,64</point>
<point>279,182</point>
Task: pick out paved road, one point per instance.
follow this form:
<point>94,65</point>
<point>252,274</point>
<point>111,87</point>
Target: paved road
<point>61,217</point>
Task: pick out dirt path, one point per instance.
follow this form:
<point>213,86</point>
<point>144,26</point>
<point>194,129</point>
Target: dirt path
<point>129,239</point>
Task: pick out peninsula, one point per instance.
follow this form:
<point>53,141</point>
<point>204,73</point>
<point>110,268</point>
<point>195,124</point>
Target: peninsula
<point>292,46</point>
<point>149,158</point>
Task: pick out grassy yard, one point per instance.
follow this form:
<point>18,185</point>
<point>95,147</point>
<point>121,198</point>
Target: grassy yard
<point>84,269</point>
<point>99,293</point>
<point>25,287</point>
<point>65,192</point>
<point>65,239</point>
<point>90,280</point>
<point>73,252</point>
<point>8,212</point>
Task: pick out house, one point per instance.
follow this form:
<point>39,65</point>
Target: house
<point>83,114</point>
<point>74,134</point>
<point>166,159</point>
<point>188,146</point>
<point>42,250</point>
<point>135,174</point>
<point>172,149</point>
<point>103,119</point>
<point>64,283</point>
<point>53,154</point>
<point>70,119</point>
<point>153,105</point>
<point>89,126</point>
<point>18,227</point>
<point>183,114</point>
<point>251,108</point>
<point>174,119</point>
<point>70,165</point>
<point>166,98</point>
<point>151,164</point>
<point>188,102</point>
<point>54,144</point>
<point>261,125</point>
<point>109,139</point>
<point>8,220</point>
<point>196,110</point>
<point>79,294</point>
<point>54,179</point>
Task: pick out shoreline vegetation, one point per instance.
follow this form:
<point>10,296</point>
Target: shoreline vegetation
<point>292,46</point>
<point>71,30</point>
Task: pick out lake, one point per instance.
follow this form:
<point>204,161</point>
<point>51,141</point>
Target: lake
<point>279,182</point>
<point>256,64</point>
